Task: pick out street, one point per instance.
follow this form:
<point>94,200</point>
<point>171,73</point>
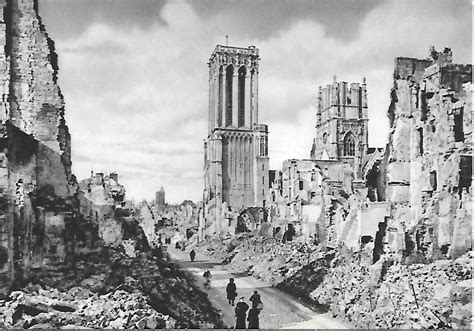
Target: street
<point>280,309</point>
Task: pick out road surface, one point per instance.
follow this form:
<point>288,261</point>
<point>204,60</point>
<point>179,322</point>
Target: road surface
<point>280,309</point>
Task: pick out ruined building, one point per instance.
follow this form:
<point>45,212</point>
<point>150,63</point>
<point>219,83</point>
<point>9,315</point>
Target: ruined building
<point>341,124</point>
<point>313,195</point>
<point>428,163</point>
<point>35,173</point>
<point>236,149</point>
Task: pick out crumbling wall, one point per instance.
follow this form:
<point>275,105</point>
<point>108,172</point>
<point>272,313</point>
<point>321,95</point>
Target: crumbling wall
<point>430,120</point>
<point>36,182</point>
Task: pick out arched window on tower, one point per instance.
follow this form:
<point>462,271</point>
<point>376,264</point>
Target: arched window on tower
<point>241,100</point>
<point>220,97</point>
<point>349,145</point>
<point>228,95</point>
<point>325,138</point>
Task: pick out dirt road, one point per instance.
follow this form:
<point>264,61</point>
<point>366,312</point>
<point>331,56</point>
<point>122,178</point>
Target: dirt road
<point>280,309</point>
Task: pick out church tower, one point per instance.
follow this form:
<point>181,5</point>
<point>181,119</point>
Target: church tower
<point>236,148</point>
<point>341,123</point>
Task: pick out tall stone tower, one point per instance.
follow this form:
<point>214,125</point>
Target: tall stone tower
<point>236,148</point>
<point>160,197</point>
<point>341,123</point>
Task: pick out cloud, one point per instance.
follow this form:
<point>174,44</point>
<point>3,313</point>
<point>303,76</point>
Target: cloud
<point>137,98</point>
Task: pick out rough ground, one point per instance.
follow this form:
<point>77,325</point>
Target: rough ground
<point>280,309</point>
<point>107,289</point>
<point>387,294</point>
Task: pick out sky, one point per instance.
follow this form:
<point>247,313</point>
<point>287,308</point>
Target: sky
<point>134,73</point>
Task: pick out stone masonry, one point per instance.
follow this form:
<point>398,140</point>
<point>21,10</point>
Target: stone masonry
<point>428,158</point>
<point>236,149</point>
<point>35,172</point>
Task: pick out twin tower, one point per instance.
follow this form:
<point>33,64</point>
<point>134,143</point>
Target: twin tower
<point>236,148</point>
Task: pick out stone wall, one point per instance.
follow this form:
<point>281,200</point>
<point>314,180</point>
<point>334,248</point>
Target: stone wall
<point>429,155</point>
<point>35,173</point>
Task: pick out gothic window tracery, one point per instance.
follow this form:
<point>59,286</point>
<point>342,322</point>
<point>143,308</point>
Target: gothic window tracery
<point>228,97</point>
<point>241,96</point>
<point>349,144</point>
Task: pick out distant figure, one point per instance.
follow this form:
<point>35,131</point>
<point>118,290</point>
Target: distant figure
<point>240,313</point>
<point>207,276</point>
<point>177,245</point>
<point>183,246</point>
<point>192,255</point>
<point>231,291</point>
<point>253,318</point>
<point>256,300</point>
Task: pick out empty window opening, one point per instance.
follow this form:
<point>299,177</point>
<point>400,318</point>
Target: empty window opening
<point>241,100</point>
<point>221,94</point>
<point>349,145</point>
<point>433,180</point>
<point>465,172</point>
<point>424,107</point>
<point>228,95</point>
<point>420,140</point>
<point>325,138</point>
<point>365,239</point>
<point>458,124</point>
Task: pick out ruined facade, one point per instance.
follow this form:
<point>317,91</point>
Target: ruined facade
<point>341,123</point>
<point>429,157</point>
<point>337,195</point>
<point>35,181</point>
<point>236,149</point>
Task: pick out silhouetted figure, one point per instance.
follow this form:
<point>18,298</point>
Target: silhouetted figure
<point>256,300</point>
<point>253,318</point>
<point>192,255</point>
<point>231,290</point>
<point>177,245</point>
<point>207,276</point>
<point>241,313</point>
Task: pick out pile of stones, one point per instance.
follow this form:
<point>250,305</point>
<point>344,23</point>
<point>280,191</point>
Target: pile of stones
<point>37,307</point>
<point>394,295</point>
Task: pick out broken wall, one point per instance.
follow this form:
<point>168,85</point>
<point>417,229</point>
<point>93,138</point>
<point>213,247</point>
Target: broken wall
<point>35,181</point>
<point>428,157</point>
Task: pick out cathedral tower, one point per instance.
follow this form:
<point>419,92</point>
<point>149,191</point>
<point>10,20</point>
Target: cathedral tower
<point>236,148</point>
<point>341,123</point>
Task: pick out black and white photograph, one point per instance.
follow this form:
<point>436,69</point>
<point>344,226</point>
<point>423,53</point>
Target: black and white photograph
<point>236,164</point>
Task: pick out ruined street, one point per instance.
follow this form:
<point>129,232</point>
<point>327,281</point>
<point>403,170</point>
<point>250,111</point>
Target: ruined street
<point>281,310</point>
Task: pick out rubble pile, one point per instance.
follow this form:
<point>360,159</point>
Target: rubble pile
<point>265,258</point>
<point>110,274</point>
<point>36,307</point>
<point>386,295</point>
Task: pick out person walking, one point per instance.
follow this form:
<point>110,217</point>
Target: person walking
<point>241,313</point>
<point>256,300</point>
<point>207,276</point>
<point>231,290</point>
<point>253,318</point>
<point>192,255</point>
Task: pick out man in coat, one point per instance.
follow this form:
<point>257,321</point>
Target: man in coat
<point>253,318</point>
<point>231,290</point>
<point>241,313</point>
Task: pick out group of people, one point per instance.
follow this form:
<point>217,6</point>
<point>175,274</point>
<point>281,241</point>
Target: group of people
<point>242,307</point>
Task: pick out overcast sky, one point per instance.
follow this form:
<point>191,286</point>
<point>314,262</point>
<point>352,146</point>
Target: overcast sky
<point>135,79</point>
